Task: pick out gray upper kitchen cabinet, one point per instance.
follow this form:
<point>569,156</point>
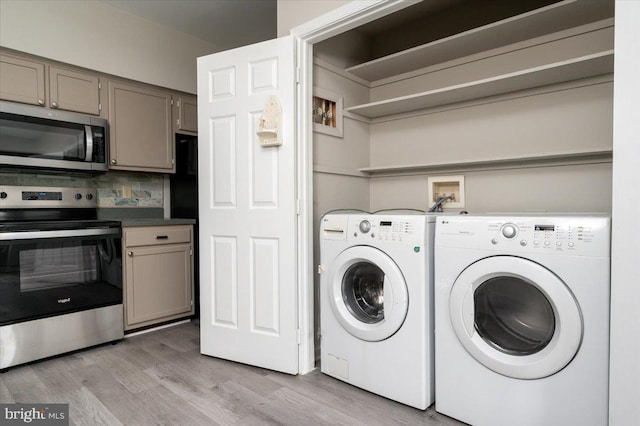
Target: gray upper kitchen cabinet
<point>185,114</point>
<point>74,91</point>
<point>30,81</point>
<point>141,133</point>
<point>21,80</point>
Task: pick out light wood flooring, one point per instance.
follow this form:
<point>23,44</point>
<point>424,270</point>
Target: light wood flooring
<point>160,378</point>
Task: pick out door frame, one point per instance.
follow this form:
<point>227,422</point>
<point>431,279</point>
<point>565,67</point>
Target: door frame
<point>335,22</point>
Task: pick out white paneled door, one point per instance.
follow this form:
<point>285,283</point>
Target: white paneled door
<point>248,289</point>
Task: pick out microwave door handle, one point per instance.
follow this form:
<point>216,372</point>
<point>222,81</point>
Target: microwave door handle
<point>89,133</point>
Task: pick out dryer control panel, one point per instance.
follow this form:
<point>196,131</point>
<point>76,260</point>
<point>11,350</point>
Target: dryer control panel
<point>567,234</point>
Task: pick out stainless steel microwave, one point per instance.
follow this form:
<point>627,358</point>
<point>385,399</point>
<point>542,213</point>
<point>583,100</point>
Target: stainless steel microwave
<point>35,138</point>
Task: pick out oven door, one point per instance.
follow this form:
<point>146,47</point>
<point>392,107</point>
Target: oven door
<point>53,272</point>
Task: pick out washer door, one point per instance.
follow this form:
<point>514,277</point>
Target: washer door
<point>515,317</point>
<point>368,293</point>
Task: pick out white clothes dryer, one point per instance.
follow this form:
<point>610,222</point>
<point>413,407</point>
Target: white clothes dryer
<point>376,298</point>
<point>522,319</point>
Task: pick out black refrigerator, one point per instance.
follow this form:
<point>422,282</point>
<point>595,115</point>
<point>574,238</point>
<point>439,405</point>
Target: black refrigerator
<point>184,198</point>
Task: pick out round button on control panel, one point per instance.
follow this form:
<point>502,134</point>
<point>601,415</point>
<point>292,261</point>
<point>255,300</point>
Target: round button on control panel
<point>365,226</point>
<point>509,230</point>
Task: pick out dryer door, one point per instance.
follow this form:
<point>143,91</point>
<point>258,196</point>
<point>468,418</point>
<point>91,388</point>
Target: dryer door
<point>516,317</point>
<point>367,293</point>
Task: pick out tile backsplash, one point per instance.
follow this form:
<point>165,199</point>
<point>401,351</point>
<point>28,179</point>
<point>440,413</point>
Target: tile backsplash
<point>146,189</point>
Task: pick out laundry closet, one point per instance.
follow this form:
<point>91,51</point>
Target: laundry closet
<point>515,97</point>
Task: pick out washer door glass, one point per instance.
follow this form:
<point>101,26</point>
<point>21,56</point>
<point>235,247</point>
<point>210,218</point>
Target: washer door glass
<point>363,292</point>
<point>515,317</point>
<point>367,293</point>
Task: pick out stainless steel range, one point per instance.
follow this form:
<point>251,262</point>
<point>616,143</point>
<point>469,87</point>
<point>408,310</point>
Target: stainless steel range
<point>60,273</point>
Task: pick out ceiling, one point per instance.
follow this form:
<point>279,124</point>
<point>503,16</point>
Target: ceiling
<point>225,23</point>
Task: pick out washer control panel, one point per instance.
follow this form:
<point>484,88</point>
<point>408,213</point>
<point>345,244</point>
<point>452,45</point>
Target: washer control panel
<point>370,229</point>
<point>394,230</point>
<point>365,226</point>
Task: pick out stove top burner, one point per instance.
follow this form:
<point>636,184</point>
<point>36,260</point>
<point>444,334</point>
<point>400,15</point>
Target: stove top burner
<point>56,225</point>
<point>46,215</point>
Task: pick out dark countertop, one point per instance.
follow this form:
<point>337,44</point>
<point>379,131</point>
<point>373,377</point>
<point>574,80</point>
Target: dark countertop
<point>128,223</point>
<point>130,217</point>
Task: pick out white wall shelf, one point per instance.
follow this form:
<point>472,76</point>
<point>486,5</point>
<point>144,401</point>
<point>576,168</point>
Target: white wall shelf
<point>580,156</point>
<point>555,17</point>
<point>557,72</point>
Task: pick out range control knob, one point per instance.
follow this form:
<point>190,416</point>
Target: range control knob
<point>78,196</point>
<point>365,226</point>
<point>89,196</point>
<point>3,195</point>
<point>509,230</point>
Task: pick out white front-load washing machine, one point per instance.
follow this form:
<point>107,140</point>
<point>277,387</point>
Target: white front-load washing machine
<point>522,319</point>
<point>376,293</point>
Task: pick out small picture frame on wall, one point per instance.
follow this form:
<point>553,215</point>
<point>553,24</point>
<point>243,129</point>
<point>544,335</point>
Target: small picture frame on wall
<point>327,112</point>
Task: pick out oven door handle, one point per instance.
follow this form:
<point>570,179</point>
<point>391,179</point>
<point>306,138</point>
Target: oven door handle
<point>41,235</point>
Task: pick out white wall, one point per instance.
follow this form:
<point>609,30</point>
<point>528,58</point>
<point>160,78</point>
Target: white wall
<point>336,184</point>
<point>624,398</point>
<point>565,121</point>
<point>570,118</point>
<point>292,13</point>
<point>556,188</point>
<point>97,36</point>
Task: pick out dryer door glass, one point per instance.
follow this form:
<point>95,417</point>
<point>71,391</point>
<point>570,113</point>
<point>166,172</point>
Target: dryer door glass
<point>513,316</point>
<point>363,292</point>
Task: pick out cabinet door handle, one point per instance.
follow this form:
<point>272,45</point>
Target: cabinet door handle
<point>113,161</point>
<point>162,237</point>
<point>54,105</point>
<point>40,101</point>
<point>130,253</point>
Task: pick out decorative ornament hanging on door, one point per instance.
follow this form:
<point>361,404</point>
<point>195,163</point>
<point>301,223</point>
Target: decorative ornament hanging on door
<point>270,133</point>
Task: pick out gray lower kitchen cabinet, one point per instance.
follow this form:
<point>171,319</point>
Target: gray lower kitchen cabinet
<point>141,133</point>
<point>158,274</point>
<point>185,114</point>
